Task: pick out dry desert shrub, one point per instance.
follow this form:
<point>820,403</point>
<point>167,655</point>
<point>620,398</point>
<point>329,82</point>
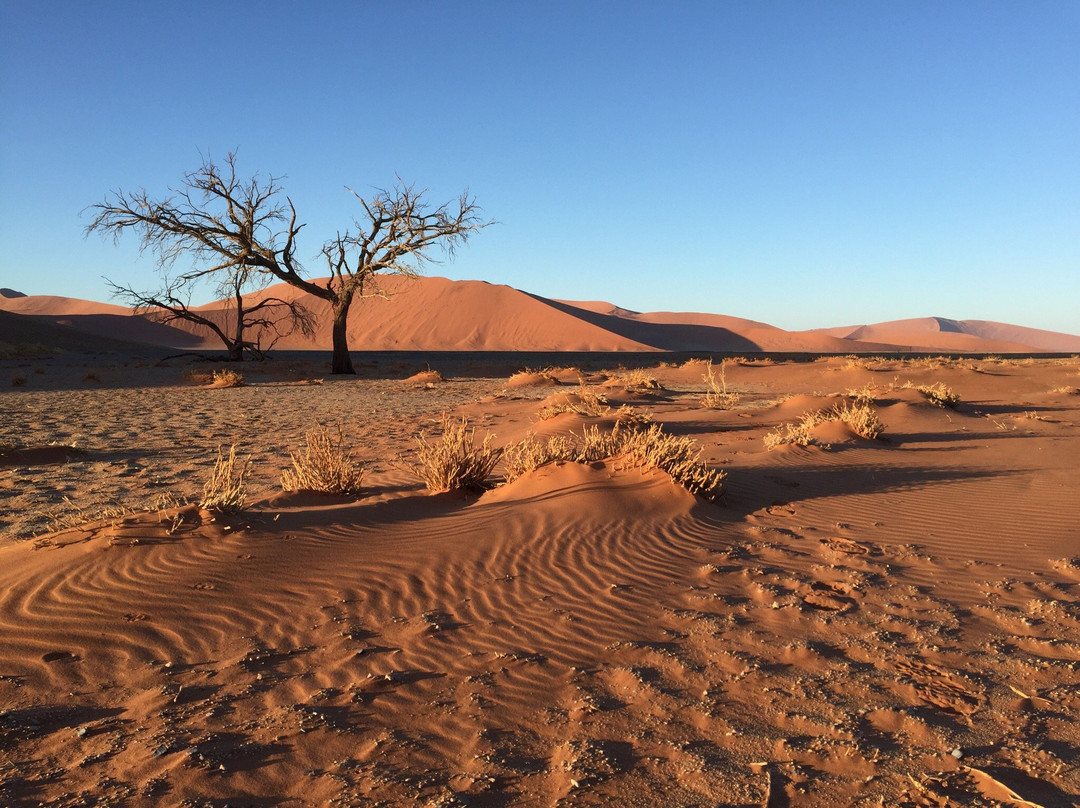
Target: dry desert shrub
<point>939,394</point>
<point>224,491</point>
<point>633,380</point>
<point>323,465</point>
<point>228,378</point>
<point>718,397</point>
<point>529,375</point>
<point>454,461</point>
<point>650,448</point>
<point>789,434</point>
<point>867,394</point>
<point>596,444</point>
<point>680,457</point>
<point>860,417</point>
<point>530,454</point>
<point>696,362</point>
<point>587,403</point>
<point>628,416</point>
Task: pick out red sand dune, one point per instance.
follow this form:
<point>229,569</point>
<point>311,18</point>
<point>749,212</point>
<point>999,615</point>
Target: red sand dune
<point>958,335</point>
<point>440,314</point>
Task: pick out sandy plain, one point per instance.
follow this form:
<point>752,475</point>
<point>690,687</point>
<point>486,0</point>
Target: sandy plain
<point>872,622</point>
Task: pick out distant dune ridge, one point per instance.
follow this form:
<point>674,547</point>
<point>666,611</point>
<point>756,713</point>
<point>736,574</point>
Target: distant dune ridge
<point>435,313</point>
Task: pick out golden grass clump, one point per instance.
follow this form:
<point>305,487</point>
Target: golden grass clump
<point>867,394</point>
<point>650,448</point>
<point>679,456</point>
<point>939,395</point>
<point>530,454</point>
<point>529,375</point>
<point>454,461</point>
<point>718,397</point>
<point>790,434</point>
<point>228,378</point>
<point>588,403</point>
<point>860,417</point>
<point>634,380</point>
<point>224,491</point>
<point>628,416</point>
<point>324,465</point>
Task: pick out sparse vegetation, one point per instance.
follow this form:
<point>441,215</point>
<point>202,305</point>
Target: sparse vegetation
<point>224,491</point>
<point>789,434</point>
<point>860,417</point>
<point>323,465</point>
<point>864,395</point>
<point>584,402</point>
<point>718,397</point>
<point>455,461</point>
<point>939,395</point>
<point>680,457</point>
<point>629,416</point>
<point>228,378</point>
<point>18,379</point>
<point>530,454</point>
<point>636,380</point>
<point>527,376</point>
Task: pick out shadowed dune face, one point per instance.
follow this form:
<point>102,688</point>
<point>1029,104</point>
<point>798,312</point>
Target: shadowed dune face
<point>439,314</point>
<point>889,621</point>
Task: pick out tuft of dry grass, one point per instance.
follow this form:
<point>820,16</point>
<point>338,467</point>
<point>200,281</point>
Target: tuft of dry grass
<point>455,461</point>
<point>790,434</point>
<point>530,454</point>
<point>718,397</point>
<point>939,394</point>
<point>533,375</point>
<point>867,394</point>
<point>679,457</point>
<point>228,378</point>
<point>636,380</point>
<point>224,491</point>
<point>588,403</point>
<point>860,417</point>
<point>628,416</point>
<point>323,465</point>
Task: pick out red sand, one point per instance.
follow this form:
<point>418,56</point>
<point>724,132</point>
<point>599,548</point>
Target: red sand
<point>880,622</point>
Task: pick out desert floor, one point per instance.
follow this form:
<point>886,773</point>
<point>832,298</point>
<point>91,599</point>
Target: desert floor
<point>860,622</point>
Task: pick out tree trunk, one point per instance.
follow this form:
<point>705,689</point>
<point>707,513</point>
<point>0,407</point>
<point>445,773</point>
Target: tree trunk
<point>236,350</point>
<point>341,362</point>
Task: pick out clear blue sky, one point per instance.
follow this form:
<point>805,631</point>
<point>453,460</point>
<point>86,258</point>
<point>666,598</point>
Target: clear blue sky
<point>803,163</point>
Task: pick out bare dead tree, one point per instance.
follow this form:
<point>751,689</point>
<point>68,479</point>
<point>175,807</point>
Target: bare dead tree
<point>268,318</point>
<point>396,235</point>
<point>217,221</point>
<point>245,226</point>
